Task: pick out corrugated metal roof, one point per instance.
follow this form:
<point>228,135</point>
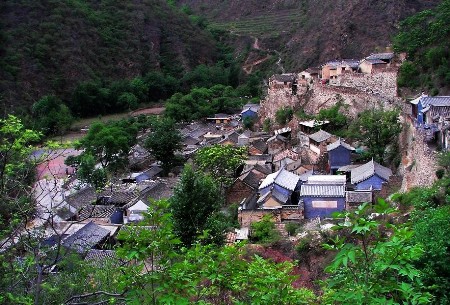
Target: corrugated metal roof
<point>322,190</point>
<point>320,136</point>
<point>369,169</point>
<point>338,143</point>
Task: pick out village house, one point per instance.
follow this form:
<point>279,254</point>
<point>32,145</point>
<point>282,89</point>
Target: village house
<point>370,176</point>
<point>244,138</point>
<point>279,188</point>
<point>339,154</point>
<point>134,212</point>
<point>220,118</point>
<point>376,62</point>
<point>322,195</point>
<point>318,141</point>
<point>250,111</point>
<point>430,109</point>
<point>308,76</point>
<point>247,183</point>
<point>332,69</point>
<point>284,81</point>
<point>231,138</point>
<point>309,127</point>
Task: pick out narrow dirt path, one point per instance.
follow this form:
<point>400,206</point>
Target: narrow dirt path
<point>249,65</point>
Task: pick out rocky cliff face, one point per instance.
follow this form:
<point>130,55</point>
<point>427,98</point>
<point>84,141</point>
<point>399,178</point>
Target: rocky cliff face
<point>357,90</point>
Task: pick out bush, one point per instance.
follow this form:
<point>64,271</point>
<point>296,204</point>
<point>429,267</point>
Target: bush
<point>440,173</point>
<point>291,228</point>
<point>264,231</point>
<point>284,115</point>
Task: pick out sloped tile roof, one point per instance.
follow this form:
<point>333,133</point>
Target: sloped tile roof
<point>82,198</point>
<point>338,143</point>
<point>260,145</point>
<point>86,238</point>
<point>97,211</point>
<point>322,190</point>
<point>369,169</point>
<point>375,62</point>
<point>436,101</point>
<point>282,178</point>
<point>320,136</point>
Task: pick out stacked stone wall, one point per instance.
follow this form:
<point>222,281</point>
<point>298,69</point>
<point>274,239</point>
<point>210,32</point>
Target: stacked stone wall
<point>380,83</point>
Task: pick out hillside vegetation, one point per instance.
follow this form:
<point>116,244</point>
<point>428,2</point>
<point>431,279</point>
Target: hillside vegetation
<point>49,47</point>
<point>426,38</point>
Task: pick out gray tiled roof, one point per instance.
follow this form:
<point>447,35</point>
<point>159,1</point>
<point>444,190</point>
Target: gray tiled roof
<point>353,63</point>
<point>284,77</point>
<point>282,178</point>
<point>260,145</point>
<point>369,169</point>
<point>323,190</point>
<point>375,61</point>
<point>437,101</point>
<point>252,178</point>
<point>382,56</point>
<point>101,258</point>
<point>338,143</point>
<point>347,168</point>
<point>82,198</point>
<point>86,238</point>
<point>96,211</point>
<point>320,136</point>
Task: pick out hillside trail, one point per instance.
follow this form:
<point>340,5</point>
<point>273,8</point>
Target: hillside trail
<point>249,65</point>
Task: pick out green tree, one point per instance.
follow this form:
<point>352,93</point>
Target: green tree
<point>221,161</point>
<point>284,115</point>
<point>109,143</point>
<point>51,116</point>
<point>377,129</point>
<point>375,261</point>
<point>87,173</point>
<point>337,119</point>
<point>195,201</point>
<point>163,142</point>
<point>16,172</point>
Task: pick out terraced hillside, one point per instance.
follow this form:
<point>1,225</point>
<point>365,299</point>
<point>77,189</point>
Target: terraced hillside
<point>309,32</point>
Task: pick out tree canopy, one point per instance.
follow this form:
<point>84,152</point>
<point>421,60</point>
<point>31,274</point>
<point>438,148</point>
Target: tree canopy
<point>195,201</point>
<point>221,161</point>
<point>163,142</point>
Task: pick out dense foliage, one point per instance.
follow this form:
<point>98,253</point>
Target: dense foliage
<point>163,142</point>
<point>426,39</point>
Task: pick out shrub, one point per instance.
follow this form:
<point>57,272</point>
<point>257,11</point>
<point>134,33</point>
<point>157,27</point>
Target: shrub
<point>291,228</point>
<point>264,231</point>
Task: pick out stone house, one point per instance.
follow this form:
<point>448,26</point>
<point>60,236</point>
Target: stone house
<point>134,212</point>
<point>332,69</point>
<point>88,237</point>
<point>282,187</point>
<point>339,154</point>
<point>370,176</point>
<point>244,138</point>
<point>322,195</point>
<point>309,127</point>
<point>284,81</point>
<point>318,141</point>
<point>376,62</point>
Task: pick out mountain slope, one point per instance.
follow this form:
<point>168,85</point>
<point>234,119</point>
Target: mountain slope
<point>309,32</point>
<point>49,46</point>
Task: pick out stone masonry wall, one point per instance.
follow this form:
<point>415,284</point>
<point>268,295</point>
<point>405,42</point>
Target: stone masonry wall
<point>381,83</point>
<point>418,161</point>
